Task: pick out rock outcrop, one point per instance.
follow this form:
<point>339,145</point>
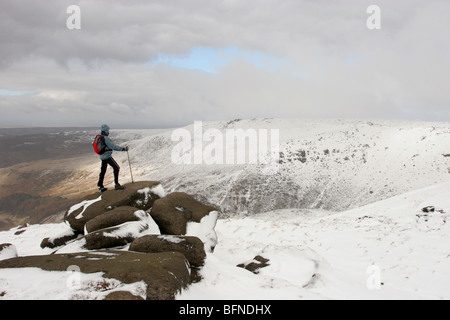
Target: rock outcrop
<point>180,214</point>
<point>174,211</point>
<point>139,195</point>
<point>118,232</point>
<point>112,218</point>
<point>191,247</point>
<point>143,235</point>
<point>163,273</point>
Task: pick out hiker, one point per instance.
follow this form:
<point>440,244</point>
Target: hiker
<point>108,159</point>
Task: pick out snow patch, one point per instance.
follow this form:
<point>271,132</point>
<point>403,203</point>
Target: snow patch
<point>204,230</point>
<point>85,204</point>
<point>66,232</point>
<point>74,246</point>
<point>8,252</point>
<point>158,190</point>
<point>171,238</point>
<point>127,229</point>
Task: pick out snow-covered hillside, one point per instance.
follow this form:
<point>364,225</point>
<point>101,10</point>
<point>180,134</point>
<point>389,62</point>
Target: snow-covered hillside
<point>385,250</point>
<point>323,164</point>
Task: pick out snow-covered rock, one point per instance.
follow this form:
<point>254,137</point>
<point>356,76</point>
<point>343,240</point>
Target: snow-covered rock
<point>109,221</point>
<point>191,247</point>
<point>114,236</point>
<point>155,276</point>
<point>140,195</point>
<point>113,218</point>
<point>179,213</point>
<point>61,239</point>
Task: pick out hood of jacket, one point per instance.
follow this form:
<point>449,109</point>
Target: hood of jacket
<point>104,129</point>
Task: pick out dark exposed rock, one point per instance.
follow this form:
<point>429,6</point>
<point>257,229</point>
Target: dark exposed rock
<point>257,263</point>
<point>140,195</point>
<point>112,218</point>
<point>174,211</point>
<point>122,295</point>
<point>428,209</point>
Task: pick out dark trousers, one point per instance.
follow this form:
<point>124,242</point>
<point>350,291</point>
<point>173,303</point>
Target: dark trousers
<point>115,167</point>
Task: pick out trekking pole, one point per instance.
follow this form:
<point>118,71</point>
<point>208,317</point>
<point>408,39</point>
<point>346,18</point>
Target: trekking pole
<point>129,162</point>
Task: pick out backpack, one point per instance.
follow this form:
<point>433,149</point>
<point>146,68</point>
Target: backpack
<point>99,144</point>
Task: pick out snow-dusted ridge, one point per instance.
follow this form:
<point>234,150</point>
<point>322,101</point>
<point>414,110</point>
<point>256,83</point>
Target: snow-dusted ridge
<point>324,164</point>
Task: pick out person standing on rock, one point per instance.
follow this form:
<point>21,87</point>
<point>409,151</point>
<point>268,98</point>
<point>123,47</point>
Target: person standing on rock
<point>107,159</point>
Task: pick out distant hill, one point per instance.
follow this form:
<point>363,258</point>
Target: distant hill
<point>19,145</point>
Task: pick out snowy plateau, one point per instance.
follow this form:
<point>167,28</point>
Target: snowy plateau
<point>341,218</point>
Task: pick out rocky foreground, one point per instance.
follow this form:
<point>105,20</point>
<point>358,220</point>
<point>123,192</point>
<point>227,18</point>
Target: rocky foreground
<point>131,235</point>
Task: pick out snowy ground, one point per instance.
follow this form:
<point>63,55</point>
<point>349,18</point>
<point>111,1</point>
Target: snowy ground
<point>386,250</point>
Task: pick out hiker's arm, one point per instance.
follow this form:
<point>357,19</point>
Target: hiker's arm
<point>111,145</point>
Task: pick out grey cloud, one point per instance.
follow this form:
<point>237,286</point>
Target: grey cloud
<point>335,66</point>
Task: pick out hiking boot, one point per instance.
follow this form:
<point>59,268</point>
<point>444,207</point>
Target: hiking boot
<point>118,187</point>
<point>102,189</point>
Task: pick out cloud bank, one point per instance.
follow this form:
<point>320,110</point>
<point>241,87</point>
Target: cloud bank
<point>167,63</point>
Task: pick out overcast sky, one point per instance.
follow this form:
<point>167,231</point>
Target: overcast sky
<point>164,63</point>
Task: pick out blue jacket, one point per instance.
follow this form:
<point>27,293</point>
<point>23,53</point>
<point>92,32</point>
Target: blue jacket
<point>110,146</point>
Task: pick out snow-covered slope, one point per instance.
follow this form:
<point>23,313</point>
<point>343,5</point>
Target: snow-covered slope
<point>323,164</point>
<point>385,250</point>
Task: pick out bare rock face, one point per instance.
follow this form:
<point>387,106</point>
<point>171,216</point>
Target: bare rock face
<point>140,195</point>
<point>191,247</point>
